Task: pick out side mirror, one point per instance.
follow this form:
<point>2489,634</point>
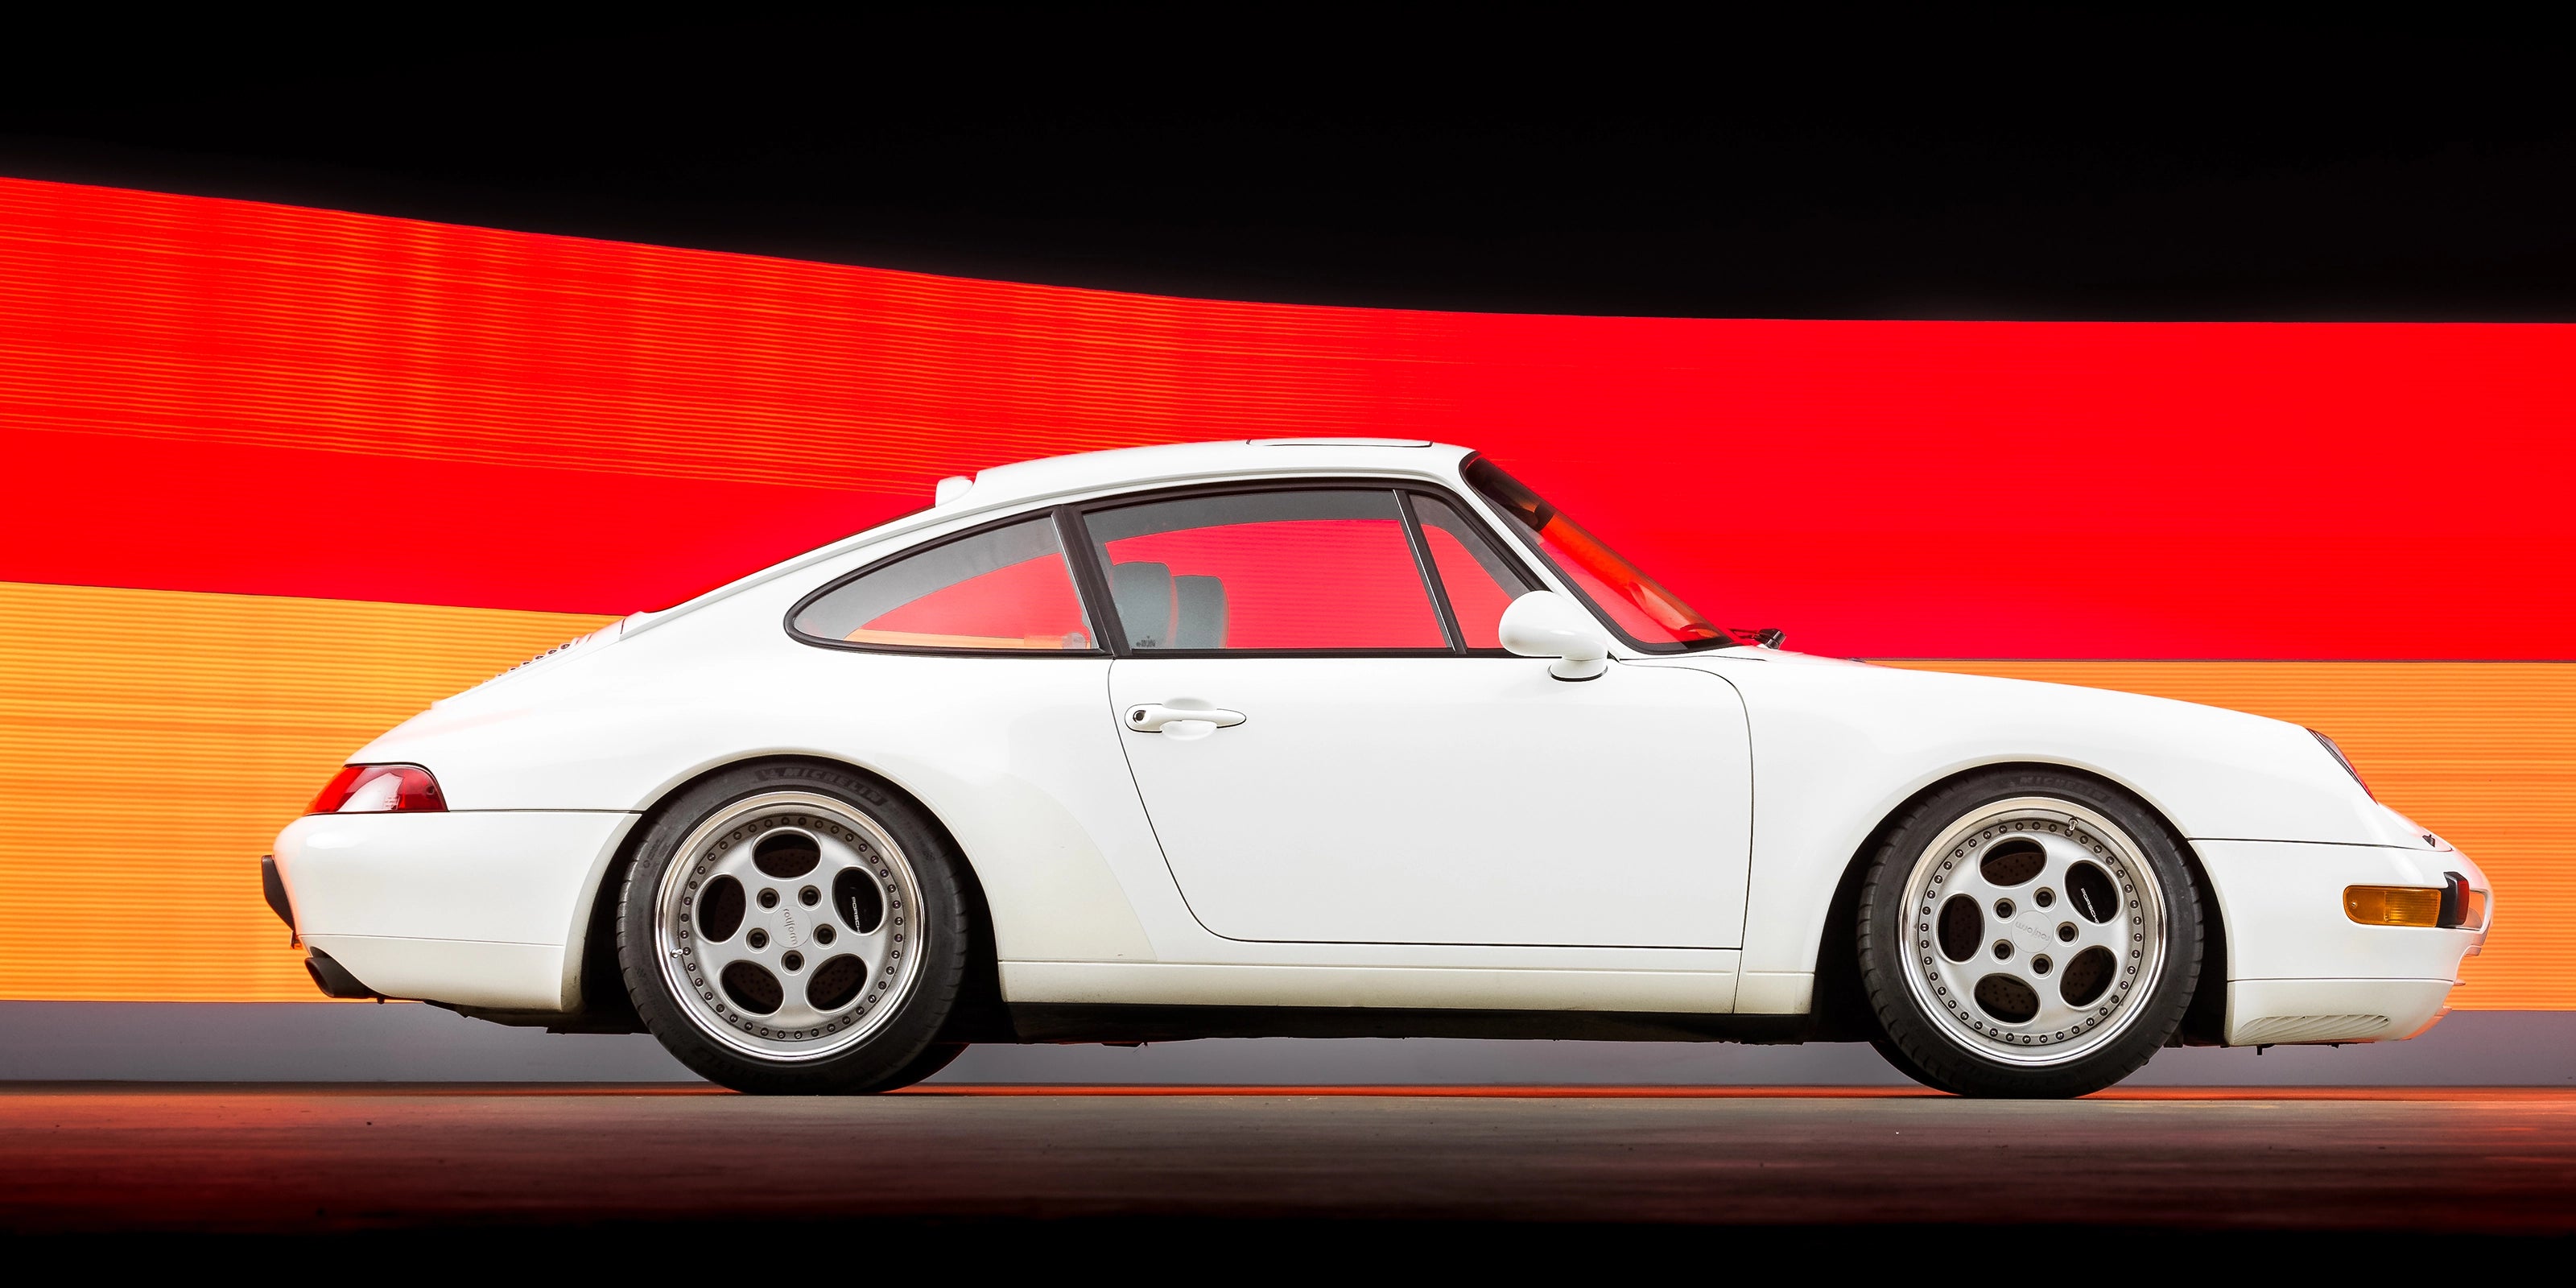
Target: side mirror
<point>1543,623</point>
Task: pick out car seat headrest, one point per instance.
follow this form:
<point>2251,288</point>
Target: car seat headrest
<point>1198,619</point>
<point>1143,593</point>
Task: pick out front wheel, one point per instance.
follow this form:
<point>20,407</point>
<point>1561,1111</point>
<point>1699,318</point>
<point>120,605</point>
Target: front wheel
<point>795,928</point>
<point>2027,933</point>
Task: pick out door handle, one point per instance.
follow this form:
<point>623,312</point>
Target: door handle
<point>1151,717</point>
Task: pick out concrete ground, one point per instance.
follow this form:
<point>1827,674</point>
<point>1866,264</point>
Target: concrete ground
<point>702,1170</point>
<point>313,1042</point>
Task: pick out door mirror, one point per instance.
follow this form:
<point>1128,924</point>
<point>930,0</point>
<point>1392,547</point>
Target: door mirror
<point>1543,623</point>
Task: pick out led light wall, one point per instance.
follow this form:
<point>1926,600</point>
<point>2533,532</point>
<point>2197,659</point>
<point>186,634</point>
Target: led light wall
<point>278,477</point>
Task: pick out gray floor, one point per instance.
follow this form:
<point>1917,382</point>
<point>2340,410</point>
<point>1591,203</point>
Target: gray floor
<point>690,1169</point>
<point>309,1042</point>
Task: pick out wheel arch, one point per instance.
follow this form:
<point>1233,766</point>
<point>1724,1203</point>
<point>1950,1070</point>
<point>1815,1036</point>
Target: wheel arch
<point>1841,1009</point>
<point>979,1015</point>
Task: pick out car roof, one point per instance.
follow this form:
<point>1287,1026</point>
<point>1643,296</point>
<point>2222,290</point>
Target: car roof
<point>1004,486</point>
<point>1180,462</point>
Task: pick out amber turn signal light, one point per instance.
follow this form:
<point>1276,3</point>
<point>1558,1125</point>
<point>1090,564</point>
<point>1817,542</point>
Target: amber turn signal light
<point>2393,905</point>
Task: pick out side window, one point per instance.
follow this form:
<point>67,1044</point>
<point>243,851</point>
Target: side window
<point>1480,583</point>
<point>1009,588</point>
<point>1321,569</point>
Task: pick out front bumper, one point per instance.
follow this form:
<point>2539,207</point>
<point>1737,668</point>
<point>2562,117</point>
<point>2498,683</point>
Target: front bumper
<point>2300,971</point>
<point>483,908</point>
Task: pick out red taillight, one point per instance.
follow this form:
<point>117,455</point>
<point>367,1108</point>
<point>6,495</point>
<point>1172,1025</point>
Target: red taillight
<point>380,789</point>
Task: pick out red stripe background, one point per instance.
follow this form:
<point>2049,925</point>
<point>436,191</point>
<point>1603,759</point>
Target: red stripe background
<point>221,395</point>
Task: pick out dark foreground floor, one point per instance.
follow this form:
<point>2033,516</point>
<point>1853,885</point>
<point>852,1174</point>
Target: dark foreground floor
<point>1274,1172</point>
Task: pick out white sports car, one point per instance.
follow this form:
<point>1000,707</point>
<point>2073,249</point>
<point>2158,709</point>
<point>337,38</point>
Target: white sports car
<point>1339,738</point>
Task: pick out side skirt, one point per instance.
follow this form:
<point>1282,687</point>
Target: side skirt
<point>1043,1022</point>
<point>583,1021</point>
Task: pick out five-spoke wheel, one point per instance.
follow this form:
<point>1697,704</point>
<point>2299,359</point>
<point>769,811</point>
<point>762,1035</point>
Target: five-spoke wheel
<point>2028,933</point>
<point>786,922</point>
<point>796,933</point>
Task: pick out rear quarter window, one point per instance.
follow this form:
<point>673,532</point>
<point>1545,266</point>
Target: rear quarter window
<point>1005,589</point>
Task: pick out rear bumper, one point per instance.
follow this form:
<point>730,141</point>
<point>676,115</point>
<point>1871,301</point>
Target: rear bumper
<point>473,908</point>
<point>2300,971</point>
<point>272,888</point>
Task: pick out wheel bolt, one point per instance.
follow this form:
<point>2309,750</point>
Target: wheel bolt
<point>2039,963</point>
<point>796,961</point>
<point>758,938</point>
<point>2003,948</point>
<point>824,934</point>
<point>2004,908</point>
<point>769,898</point>
<point>2066,932</point>
<point>2045,897</point>
<point>809,896</point>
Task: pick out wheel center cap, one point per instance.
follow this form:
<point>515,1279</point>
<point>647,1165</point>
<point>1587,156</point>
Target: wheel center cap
<point>2031,930</point>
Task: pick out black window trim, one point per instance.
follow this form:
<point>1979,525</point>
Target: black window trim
<point>1115,634</point>
<point>1074,566</point>
<point>1422,564</point>
<point>1501,547</point>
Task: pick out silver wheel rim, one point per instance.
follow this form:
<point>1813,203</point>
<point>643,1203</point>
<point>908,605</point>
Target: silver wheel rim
<point>858,901</point>
<point>2033,930</point>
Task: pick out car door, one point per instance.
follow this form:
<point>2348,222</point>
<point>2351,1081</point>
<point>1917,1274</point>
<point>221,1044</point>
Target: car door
<point>1331,747</point>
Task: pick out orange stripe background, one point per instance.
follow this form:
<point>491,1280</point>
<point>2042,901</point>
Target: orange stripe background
<point>152,742</point>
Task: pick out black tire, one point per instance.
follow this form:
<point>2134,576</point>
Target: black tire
<point>1938,1049</point>
<point>899,1048</point>
<point>1897,1058</point>
<point>933,1058</point>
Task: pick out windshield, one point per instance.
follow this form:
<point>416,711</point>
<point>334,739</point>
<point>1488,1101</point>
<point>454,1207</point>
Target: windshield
<point>1653,618</point>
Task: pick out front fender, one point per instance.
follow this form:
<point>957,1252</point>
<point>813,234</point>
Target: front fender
<point>1840,746</point>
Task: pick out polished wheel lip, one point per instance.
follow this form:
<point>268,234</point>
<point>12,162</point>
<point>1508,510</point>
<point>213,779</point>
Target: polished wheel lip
<point>831,822</point>
<point>1935,982</point>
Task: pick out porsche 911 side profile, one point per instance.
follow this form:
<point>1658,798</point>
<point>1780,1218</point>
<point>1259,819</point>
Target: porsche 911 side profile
<point>1339,738</point>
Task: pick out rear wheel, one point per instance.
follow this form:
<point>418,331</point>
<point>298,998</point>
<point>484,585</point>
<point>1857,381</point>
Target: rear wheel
<point>795,928</point>
<point>2027,933</point>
